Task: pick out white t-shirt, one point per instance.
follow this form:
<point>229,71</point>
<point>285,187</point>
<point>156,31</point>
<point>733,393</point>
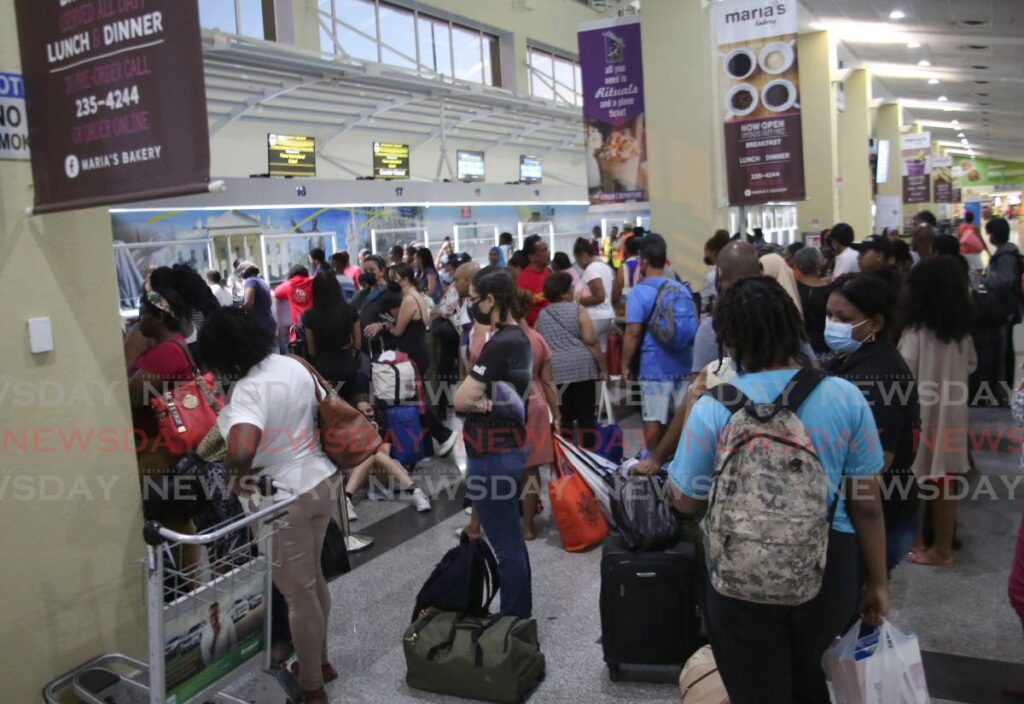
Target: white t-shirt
<point>846,263</point>
<point>222,295</point>
<point>599,270</point>
<point>278,396</point>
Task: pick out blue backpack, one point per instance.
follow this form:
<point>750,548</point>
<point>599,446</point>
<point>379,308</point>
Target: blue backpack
<point>673,321</point>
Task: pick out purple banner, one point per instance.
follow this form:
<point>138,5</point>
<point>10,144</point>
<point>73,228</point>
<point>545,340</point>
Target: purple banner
<point>611,65</point>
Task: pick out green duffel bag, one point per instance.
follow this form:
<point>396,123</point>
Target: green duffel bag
<point>496,659</point>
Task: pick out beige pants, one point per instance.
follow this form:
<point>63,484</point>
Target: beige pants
<point>297,546</point>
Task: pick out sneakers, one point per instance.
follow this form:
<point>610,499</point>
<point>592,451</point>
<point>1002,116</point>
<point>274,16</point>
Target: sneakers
<point>420,500</point>
<point>351,510</point>
<point>445,448</point>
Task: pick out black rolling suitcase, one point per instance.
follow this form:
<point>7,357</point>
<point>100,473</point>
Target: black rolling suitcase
<point>649,605</point>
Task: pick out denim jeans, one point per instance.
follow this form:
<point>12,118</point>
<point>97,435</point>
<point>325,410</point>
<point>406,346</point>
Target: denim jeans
<point>492,484</point>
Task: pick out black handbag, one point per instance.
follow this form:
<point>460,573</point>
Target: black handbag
<point>334,557</point>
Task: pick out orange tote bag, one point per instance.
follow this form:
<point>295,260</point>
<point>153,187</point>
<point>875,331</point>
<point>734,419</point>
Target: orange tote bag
<point>579,520</point>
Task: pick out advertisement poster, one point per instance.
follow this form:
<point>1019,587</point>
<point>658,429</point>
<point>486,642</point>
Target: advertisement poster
<point>613,110</point>
<point>13,121</point>
<point>390,161</point>
<point>942,175</point>
<point>916,151</point>
<point>213,632</point>
<point>1007,175</point>
<point>759,89</point>
<point>291,155</point>
<point>116,100</point>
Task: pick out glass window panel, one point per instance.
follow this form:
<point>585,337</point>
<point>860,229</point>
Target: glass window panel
<point>443,48</point>
<point>540,87</point>
<point>218,14</point>
<point>579,85</point>
<point>468,62</point>
<point>564,77</point>
<point>362,15</point>
<point>492,61</point>
<point>326,40</point>
<point>397,30</point>
<point>251,12</point>
<point>425,29</point>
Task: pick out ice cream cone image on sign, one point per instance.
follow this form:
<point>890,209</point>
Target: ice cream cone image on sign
<point>620,160</point>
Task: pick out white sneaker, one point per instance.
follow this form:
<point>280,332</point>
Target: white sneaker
<point>420,500</point>
<point>351,510</point>
<point>445,448</point>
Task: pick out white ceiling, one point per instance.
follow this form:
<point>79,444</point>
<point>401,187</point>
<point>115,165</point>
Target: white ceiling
<point>976,51</point>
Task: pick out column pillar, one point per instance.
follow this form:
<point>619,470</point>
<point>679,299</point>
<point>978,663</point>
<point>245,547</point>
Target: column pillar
<point>889,126</point>
<point>684,136</point>
<point>820,132</point>
<point>855,193</point>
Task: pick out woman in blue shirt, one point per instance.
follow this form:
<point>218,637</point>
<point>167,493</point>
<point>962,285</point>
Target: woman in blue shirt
<point>772,652</point>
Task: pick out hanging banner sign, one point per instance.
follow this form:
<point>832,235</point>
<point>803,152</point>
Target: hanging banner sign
<point>612,69</point>
<point>916,150</point>
<point>116,100</point>
<point>942,175</point>
<point>759,90</point>
<point>13,122</point>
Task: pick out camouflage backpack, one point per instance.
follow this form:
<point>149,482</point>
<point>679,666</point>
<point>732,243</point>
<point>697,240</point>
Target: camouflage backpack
<point>767,523</point>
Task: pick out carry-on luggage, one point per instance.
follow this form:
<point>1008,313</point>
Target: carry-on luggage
<point>394,378</point>
<point>405,433</point>
<point>649,605</point>
<point>495,659</point>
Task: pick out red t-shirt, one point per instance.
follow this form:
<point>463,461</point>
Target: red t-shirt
<point>298,291</point>
<point>533,281</point>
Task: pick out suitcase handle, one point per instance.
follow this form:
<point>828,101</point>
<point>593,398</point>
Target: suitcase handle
<point>646,575</point>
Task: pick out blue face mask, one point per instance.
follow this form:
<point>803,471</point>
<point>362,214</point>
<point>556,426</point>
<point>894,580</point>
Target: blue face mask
<point>839,336</point>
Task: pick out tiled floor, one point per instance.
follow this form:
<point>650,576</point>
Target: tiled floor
<point>973,640</point>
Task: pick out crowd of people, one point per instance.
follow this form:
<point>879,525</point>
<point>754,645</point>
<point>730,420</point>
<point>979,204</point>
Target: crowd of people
<point>518,347</point>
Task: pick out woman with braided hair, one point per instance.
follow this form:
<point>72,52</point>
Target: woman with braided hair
<point>771,652</point>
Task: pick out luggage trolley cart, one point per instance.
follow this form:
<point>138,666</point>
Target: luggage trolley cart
<point>209,625</point>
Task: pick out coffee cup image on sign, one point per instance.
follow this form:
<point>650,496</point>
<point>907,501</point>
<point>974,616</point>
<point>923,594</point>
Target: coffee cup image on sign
<point>740,63</point>
<point>776,58</point>
<point>741,100</point>
<point>779,95</point>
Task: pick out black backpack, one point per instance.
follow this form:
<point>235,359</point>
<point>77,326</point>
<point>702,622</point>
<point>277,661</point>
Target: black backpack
<point>642,513</point>
<point>465,581</point>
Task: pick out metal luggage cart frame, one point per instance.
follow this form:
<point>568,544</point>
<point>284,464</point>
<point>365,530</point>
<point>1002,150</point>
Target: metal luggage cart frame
<point>238,550</point>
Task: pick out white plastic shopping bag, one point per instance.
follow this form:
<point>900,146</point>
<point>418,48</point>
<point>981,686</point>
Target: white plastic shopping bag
<point>883,667</point>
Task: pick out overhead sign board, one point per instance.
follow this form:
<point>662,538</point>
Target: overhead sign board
<point>291,155</point>
<point>469,165</point>
<point>531,169</point>
<point>390,161</point>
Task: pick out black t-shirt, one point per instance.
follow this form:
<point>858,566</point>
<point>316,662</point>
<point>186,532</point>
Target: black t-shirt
<point>814,300</point>
<point>889,387</point>
<point>506,368</point>
<point>335,358</point>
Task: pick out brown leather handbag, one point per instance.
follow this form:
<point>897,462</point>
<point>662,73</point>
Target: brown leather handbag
<point>346,436</point>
